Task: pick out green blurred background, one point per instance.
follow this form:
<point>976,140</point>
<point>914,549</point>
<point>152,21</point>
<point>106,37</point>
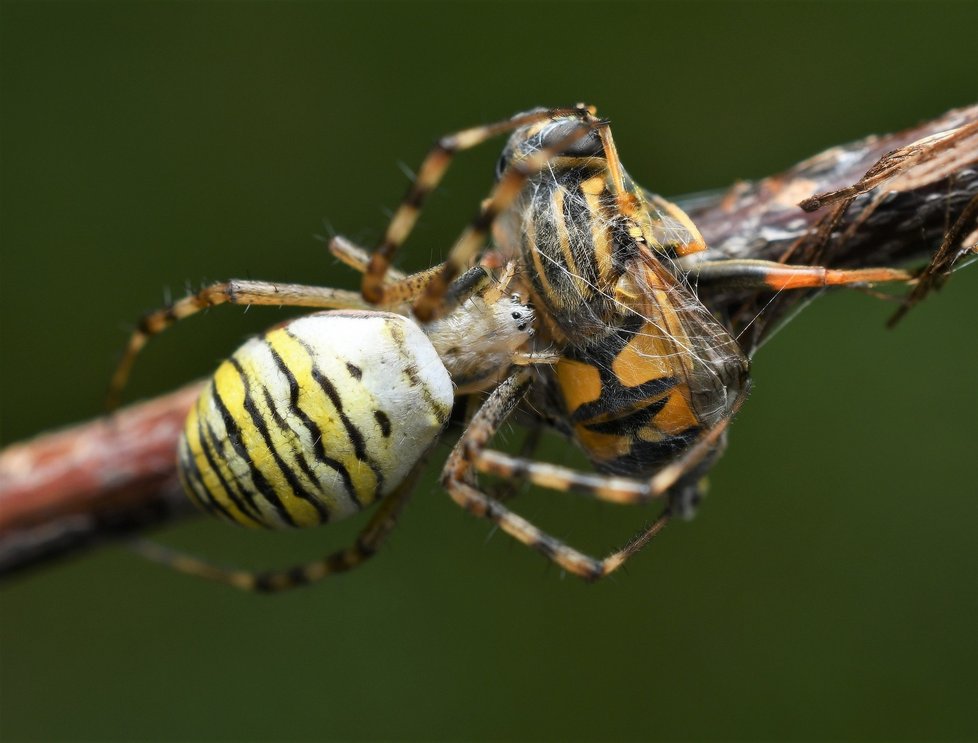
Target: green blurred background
<point>827,588</point>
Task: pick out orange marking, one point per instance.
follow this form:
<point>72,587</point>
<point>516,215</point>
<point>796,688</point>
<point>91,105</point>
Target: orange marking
<point>593,186</point>
<point>684,249</point>
<point>650,434</point>
<point>843,276</point>
<point>696,243</point>
<point>676,415</point>
<point>646,357</point>
<point>579,382</point>
<point>603,447</point>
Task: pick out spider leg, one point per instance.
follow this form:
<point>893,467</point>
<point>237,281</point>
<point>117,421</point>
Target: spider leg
<point>429,175</point>
<point>367,543</point>
<point>357,257</point>
<point>407,288</point>
<point>236,291</point>
<point>469,455</point>
<point>432,302</point>
<point>509,488</point>
<point>610,488</point>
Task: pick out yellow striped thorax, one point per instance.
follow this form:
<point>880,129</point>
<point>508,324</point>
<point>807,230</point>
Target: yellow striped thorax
<point>315,419</point>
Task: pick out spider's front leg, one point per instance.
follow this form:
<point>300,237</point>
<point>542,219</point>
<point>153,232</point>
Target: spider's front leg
<point>374,288</point>
<point>236,291</point>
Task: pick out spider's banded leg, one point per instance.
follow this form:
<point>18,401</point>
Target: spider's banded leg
<point>407,288</point>
<point>610,488</point>
<point>470,283</point>
<point>369,540</point>
<point>429,175</point>
<point>431,303</point>
<point>357,257</point>
<point>471,454</point>
<point>458,479</point>
<point>236,291</point>
<point>510,487</point>
<point>751,274</point>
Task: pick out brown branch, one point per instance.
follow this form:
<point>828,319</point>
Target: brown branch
<point>72,489</point>
<point>879,201</point>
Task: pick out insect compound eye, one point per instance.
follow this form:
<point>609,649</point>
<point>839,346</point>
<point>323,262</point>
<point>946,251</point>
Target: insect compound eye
<point>502,162</point>
<point>560,130</point>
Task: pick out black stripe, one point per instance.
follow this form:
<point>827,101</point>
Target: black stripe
<point>624,248</point>
<point>262,425</point>
<point>647,457</point>
<point>300,460</point>
<point>466,285</point>
<point>384,422</point>
<point>416,196</point>
<point>412,373</point>
<point>616,397</point>
<point>359,445</point>
<point>242,498</point>
<point>261,484</point>
<point>630,423</point>
<point>483,220</point>
<point>315,433</point>
<point>528,246</point>
<point>193,483</point>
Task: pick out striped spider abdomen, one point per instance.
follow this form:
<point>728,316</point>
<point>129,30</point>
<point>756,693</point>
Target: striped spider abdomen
<point>315,419</point>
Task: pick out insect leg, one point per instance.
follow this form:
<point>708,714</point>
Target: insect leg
<point>236,291</point>
<point>369,540</point>
<point>752,274</point>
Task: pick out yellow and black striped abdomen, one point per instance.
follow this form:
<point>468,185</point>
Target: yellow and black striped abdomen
<point>314,420</point>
